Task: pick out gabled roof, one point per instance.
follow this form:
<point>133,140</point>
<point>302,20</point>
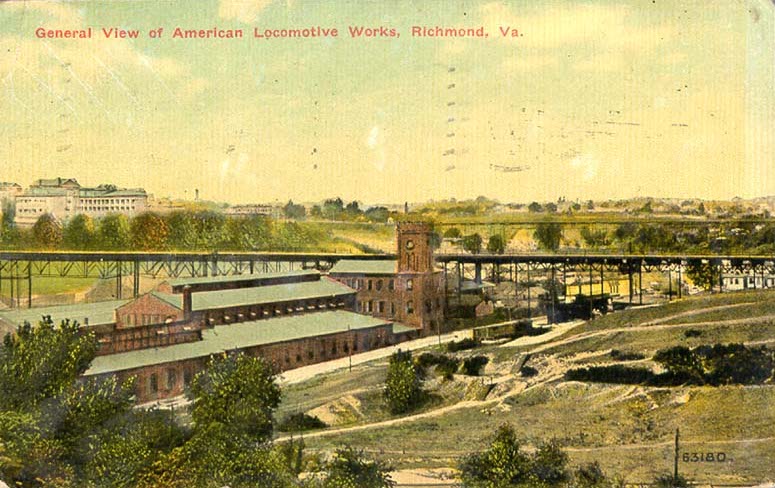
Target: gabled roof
<point>367,267</point>
<point>238,336</point>
<point>98,313</point>
<point>209,300</point>
<point>202,280</point>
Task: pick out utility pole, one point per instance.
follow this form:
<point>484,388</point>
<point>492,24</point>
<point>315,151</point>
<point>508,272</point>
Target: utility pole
<point>675,465</point>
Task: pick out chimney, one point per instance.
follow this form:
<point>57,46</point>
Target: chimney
<point>187,305</point>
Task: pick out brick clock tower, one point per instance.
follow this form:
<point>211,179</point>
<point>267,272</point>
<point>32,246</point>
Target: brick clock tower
<point>420,284</point>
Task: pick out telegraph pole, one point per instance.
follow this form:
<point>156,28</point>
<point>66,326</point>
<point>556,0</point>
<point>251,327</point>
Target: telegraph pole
<point>675,465</point>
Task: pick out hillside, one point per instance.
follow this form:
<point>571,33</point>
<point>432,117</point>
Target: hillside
<point>629,429</point>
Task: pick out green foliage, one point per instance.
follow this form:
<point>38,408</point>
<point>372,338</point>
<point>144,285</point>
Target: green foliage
<point>47,232</point>
<point>668,481</point>
<point>615,373</point>
<point>626,355</point>
<point>114,232</point>
<point>473,365</point>
<point>718,364</point>
<point>452,233</point>
<point>377,214</point>
<point>594,238</point>
<point>350,468</point>
<point>504,464</point>
<point>548,235</point>
<point>462,344</point>
<point>80,233</point>
<point>496,244</point>
<point>239,393</point>
<point>472,243</point>
<point>294,211</point>
<point>149,232</point>
<point>299,422</point>
<point>42,362</point>
<point>402,385</point>
<point>535,207</point>
<point>445,365</point>
<point>701,274</point>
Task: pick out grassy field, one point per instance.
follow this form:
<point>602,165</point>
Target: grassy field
<point>52,285</point>
<point>629,429</point>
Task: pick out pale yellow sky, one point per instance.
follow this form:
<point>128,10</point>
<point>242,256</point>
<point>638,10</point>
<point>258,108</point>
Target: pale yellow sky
<point>595,99</point>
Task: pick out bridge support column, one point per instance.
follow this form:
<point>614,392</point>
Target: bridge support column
<point>136,278</point>
<point>669,285</point>
<point>721,278</point>
<point>119,285</point>
<point>553,291</point>
<point>529,313</point>
<point>29,284</point>
<point>591,307</point>
<point>640,282</point>
<point>478,273</point>
<point>680,281</point>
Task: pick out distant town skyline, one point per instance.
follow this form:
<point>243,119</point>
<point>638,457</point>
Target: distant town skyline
<point>592,100</point>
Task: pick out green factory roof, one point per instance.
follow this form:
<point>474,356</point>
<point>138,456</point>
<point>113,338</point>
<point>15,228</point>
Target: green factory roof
<point>399,328</point>
<point>208,300</point>
<point>98,313</point>
<point>362,266</point>
<point>237,336</point>
<point>238,278</point>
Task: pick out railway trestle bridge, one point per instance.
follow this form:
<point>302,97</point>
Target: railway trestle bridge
<point>19,270</point>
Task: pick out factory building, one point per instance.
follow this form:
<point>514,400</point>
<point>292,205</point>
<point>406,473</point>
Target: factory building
<point>408,290</point>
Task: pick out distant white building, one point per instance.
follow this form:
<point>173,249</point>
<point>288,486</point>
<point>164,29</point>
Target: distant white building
<point>267,210</point>
<point>747,280</point>
<point>65,198</point>
<point>9,191</point>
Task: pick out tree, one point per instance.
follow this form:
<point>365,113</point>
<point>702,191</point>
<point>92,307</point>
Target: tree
<point>452,233</point>
<point>351,469</point>
<point>594,238</point>
<point>377,214</point>
<point>80,233</point>
<point>535,207</point>
<point>40,362</point>
<point>294,211</point>
<point>252,233</point>
<point>149,232</point>
<point>47,232</point>
<point>114,232</point>
<point>472,243</point>
<point>333,208</point>
<point>496,244</point>
<point>548,235</point>
<point>182,230</point>
<point>504,464</point>
<point>238,392</point>
<point>501,464</point>
<point>550,207</point>
<point>402,386</point>
<point>9,233</point>
<point>701,274</point>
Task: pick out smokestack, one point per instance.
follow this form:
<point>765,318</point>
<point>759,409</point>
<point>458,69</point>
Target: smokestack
<point>196,194</point>
<point>187,305</point>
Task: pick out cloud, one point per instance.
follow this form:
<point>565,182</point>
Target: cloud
<point>246,11</point>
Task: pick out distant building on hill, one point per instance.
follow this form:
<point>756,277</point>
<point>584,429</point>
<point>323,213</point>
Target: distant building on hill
<point>64,198</point>
<point>9,191</point>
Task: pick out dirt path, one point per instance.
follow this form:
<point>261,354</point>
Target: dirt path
<point>696,312</point>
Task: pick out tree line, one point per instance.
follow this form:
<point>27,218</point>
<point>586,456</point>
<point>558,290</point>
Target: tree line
<point>182,230</point>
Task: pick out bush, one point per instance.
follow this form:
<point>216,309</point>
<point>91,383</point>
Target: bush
<point>298,422</point>
<point>626,355</point>
<point>473,365</point>
<point>732,364</point>
<point>445,365</point>
<point>462,344</point>
<point>688,333</point>
<point>615,373</point>
<point>528,371</point>
<point>402,386</point>
<point>668,481</point>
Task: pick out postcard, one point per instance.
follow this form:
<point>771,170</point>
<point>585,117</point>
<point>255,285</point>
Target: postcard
<point>402,243</point>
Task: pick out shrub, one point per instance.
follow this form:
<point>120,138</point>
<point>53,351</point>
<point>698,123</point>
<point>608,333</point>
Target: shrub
<point>298,422</point>
<point>402,386</point>
<point>462,344</point>
<point>445,365</point>
<point>473,365</point>
<point>688,333</point>
<point>615,373</point>
<point>528,371</point>
<point>626,355</point>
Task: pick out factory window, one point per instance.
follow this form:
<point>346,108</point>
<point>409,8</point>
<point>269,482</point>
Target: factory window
<point>410,307</point>
<point>428,306</point>
<point>391,284</point>
<point>379,285</point>
<point>172,378</point>
<point>369,285</point>
<point>310,355</point>
<point>153,383</point>
<point>381,307</point>
<point>392,308</point>
<point>298,358</point>
<point>409,284</point>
